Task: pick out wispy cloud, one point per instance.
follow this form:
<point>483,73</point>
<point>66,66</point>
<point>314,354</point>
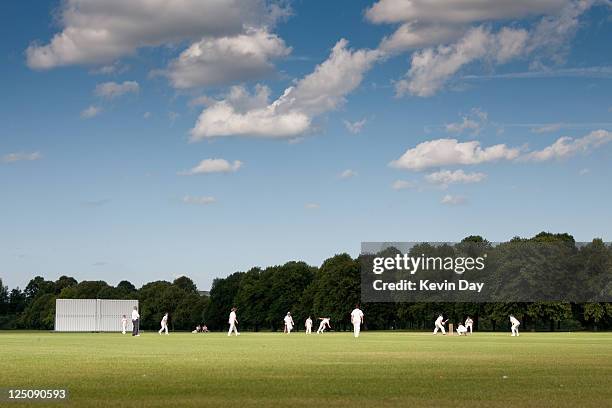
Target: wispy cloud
<point>548,128</point>
<point>312,206</point>
<point>449,199</point>
<point>209,166</point>
<point>585,72</point>
<point>111,90</point>
<point>20,156</point>
<point>355,127</point>
<point>90,112</point>
<point>199,200</point>
<point>96,203</point>
<point>348,173</point>
<point>402,185</point>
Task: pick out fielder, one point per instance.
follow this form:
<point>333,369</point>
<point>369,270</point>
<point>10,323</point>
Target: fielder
<point>357,320</point>
<point>461,330</point>
<point>324,322</point>
<point>515,324</point>
<point>289,322</point>
<point>439,323</point>
<point>124,324</point>
<point>308,325</point>
<point>164,324</point>
<point>135,322</point>
<point>469,323</point>
<point>233,321</point>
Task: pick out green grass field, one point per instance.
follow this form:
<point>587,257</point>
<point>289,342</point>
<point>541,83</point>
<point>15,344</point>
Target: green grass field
<point>379,369</point>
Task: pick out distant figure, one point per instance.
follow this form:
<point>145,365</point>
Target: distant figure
<point>289,322</point>
<point>468,324</point>
<point>135,322</point>
<point>197,329</point>
<point>123,324</point>
<point>164,324</point>
<point>233,321</point>
<point>308,325</point>
<point>324,322</point>
<point>515,324</point>
<point>461,330</point>
<point>357,320</point>
<point>440,322</point>
<point>204,328</point>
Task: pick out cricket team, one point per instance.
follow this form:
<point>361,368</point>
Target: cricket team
<point>356,320</point>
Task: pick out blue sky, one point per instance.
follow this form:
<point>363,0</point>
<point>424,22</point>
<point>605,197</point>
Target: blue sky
<point>143,144</point>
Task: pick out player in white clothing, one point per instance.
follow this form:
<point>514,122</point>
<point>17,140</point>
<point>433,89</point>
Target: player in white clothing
<point>164,324</point>
<point>308,325</point>
<point>469,323</point>
<point>357,320</point>
<point>288,322</point>
<point>461,330</point>
<point>440,322</point>
<point>515,324</point>
<point>124,324</point>
<point>324,322</point>
<point>233,322</point>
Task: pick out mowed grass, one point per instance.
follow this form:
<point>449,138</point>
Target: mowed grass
<point>382,369</point>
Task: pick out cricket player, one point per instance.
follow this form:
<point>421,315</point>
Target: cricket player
<point>135,322</point>
<point>233,322</point>
<point>461,330</point>
<point>469,323</point>
<point>164,324</point>
<point>440,325</point>
<point>289,322</point>
<point>515,324</point>
<point>324,322</point>
<point>357,320</point>
<point>123,324</point>
<point>308,325</point>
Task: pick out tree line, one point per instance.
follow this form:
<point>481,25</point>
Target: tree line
<point>264,296</point>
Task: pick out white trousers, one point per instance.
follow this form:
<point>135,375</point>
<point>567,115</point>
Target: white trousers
<point>164,328</point>
<point>356,329</point>
<point>469,327</point>
<point>515,329</point>
<point>232,328</point>
<point>439,327</point>
<point>308,329</point>
<point>124,326</point>
<point>321,328</point>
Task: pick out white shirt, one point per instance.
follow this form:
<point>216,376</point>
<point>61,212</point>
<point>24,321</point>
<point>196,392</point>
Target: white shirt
<point>468,322</point>
<point>288,320</point>
<point>325,321</point>
<point>439,320</point>
<point>135,315</point>
<point>124,321</point>
<point>356,316</point>
<point>164,319</point>
<point>232,317</point>
<point>514,320</point>
<point>309,322</point>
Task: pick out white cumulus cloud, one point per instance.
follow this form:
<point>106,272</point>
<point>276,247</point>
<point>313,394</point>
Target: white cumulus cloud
<point>212,61</point>
<point>446,177</point>
<point>111,90</point>
<point>98,32</point>
<point>209,166</point>
<point>448,152</point>
<point>293,112</point>
<point>567,146</point>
